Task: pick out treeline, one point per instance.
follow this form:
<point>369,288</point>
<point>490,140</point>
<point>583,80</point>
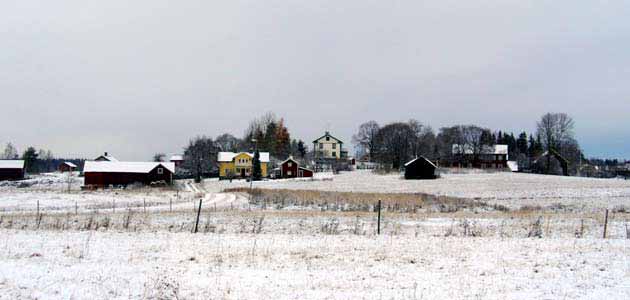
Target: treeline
<point>36,161</point>
<point>393,144</point>
<point>267,133</point>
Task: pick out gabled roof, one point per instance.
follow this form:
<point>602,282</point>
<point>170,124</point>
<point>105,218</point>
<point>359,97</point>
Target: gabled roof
<point>229,156</point>
<point>417,158</point>
<point>290,159</point>
<point>11,164</point>
<point>177,158</point>
<point>327,134</point>
<point>106,158</point>
<point>125,167</point>
<point>69,164</point>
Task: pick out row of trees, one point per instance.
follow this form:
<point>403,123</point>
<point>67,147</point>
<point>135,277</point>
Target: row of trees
<point>264,134</point>
<point>35,161</point>
<point>395,143</point>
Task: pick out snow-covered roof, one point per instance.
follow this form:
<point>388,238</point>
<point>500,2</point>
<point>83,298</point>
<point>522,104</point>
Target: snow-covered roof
<point>11,164</point>
<point>229,156</point>
<point>468,149</point>
<point>421,157</point>
<point>513,166</point>
<point>125,167</point>
<point>289,159</point>
<point>106,158</point>
<point>177,158</point>
<point>69,164</point>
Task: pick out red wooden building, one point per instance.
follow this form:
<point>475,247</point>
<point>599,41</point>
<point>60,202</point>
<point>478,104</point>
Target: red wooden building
<point>290,168</point>
<point>67,167</point>
<point>11,169</point>
<point>105,173</point>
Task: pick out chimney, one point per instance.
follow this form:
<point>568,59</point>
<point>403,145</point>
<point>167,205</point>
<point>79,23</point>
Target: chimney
<point>105,154</point>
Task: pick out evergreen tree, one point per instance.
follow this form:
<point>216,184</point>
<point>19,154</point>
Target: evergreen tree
<point>30,160</point>
<point>500,137</point>
<point>256,169</point>
<point>301,149</point>
<point>282,140</point>
<point>521,143</point>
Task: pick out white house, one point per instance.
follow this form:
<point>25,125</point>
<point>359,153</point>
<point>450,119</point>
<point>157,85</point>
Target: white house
<point>329,147</point>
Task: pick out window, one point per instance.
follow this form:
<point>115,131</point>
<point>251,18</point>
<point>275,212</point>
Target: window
<point>334,154</point>
<point>160,171</point>
<point>289,173</point>
<point>327,138</point>
<point>321,146</point>
<point>334,146</point>
<point>290,164</point>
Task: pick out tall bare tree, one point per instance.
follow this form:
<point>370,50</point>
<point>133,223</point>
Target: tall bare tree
<point>555,129</point>
<point>365,138</point>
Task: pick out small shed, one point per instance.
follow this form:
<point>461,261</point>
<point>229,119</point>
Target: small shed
<point>67,166</point>
<point>420,168</point>
<point>304,172</point>
<point>104,173</point>
<point>11,170</point>
<point>290,168</point>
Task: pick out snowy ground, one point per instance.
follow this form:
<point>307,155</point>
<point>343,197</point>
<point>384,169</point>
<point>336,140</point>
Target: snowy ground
<point>98,265</point>
<point>511,189</point>
<point>120,244</point>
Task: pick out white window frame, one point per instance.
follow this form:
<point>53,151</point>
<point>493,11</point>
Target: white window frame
<point>160,171</point>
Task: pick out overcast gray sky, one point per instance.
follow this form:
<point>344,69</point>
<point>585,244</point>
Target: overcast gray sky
<point>139,77</point>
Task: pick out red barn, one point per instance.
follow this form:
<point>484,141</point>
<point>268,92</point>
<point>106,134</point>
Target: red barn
<point>11,169</point>
<point>67,167</point>
<point>290,168</point>
<point>104,173</point>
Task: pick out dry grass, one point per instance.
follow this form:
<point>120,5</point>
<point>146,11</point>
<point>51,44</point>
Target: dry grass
<point>351,201</point>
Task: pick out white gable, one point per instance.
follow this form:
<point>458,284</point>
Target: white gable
<point>11,164</point>
<point>125,167</point>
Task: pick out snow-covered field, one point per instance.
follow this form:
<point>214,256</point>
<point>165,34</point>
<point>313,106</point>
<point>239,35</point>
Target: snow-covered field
<point>162,265</point>
<point>107,245</point>
<point>511,189</point>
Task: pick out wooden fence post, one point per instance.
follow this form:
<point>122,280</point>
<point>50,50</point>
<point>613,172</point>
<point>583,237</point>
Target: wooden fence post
<point>198,213</point>
<point>378,225</point>
<point>606,223</point>
<point>76,208</point>
<point>114,206</point>
<point>38,209</point>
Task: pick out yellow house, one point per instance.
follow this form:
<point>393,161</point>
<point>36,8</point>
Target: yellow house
<point>240,164</point>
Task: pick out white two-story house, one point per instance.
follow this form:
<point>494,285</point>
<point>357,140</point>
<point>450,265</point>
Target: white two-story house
<point>328,147</point>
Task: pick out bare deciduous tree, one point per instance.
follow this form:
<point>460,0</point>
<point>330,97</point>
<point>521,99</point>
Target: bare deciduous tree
<point>366,137</point>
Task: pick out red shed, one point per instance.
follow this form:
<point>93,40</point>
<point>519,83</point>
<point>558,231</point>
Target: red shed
<point>290,168</point>
<point>11,169</point>
<point>104,173</point>
<point>304,172</point>
<point>67,167</point>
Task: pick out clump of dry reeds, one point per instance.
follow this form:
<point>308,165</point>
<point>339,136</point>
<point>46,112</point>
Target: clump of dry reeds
<point>352,201</point>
